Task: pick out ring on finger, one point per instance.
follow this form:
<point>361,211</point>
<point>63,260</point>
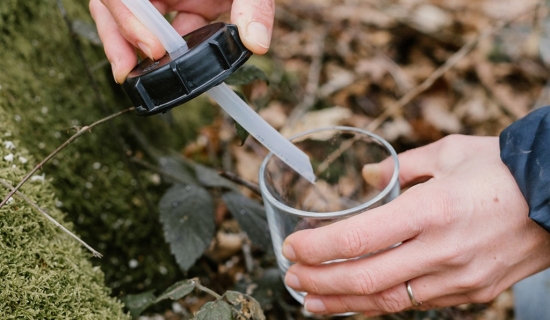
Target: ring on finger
<point>414,302</point>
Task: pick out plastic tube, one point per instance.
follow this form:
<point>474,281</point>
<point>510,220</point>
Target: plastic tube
<point>262,131</point>
<point>149,16</point>
<point>174,44</point>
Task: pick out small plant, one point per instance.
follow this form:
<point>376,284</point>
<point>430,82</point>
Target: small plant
<point>230,305</point>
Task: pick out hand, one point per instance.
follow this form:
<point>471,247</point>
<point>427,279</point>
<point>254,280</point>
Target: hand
<point>121,32</point>
<point>464,230</point>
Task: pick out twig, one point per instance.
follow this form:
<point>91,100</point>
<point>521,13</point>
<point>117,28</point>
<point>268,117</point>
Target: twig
<point>235,178</point>
<point>247,253</point>
<point>80,132</point>
<point>43,212</point>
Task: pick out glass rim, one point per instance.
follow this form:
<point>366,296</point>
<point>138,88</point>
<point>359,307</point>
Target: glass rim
<point>332,214</point>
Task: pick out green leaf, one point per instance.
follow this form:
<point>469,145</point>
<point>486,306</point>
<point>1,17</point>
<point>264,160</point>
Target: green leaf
<point>217,310</point>
<point>178,169</point>
<point>178,290</point>
<point>251,217</point>
<point>136,303</point>
<point>187,217</point>
<point>241,133</point>
<point>245,75</point>
<point>209,177</point>
<point>248,306</point>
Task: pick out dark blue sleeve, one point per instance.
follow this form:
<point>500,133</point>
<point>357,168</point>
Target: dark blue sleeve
<point>525,149</point>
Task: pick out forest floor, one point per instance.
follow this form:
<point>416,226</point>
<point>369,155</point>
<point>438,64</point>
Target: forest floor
<point>413,71</point>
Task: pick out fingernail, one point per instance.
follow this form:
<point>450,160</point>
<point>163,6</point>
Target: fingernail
<point>257,32</point>
<point>288,251</point>
<point>372,175</point>
<point>113,68</point>
<point>145,49</point>
<point>315,306</point>
<point>292,281</point>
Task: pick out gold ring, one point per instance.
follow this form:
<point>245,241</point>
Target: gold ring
<point>411,296</point>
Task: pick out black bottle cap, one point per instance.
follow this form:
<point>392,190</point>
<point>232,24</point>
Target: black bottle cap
<point>215,52</point>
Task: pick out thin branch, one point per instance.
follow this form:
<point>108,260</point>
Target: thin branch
<point>238,180</point>
<point>80,132</point>
<point>45,214</point>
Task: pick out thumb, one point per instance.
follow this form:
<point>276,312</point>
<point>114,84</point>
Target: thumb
<point>254,19</point>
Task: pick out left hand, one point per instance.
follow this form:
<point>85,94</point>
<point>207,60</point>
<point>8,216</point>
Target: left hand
<point>465,234</point>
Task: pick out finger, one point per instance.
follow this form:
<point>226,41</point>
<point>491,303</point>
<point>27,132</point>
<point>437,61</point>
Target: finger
<point>119,52</point>
<point>254,19</point>
<point>186,22</point>
<point>364,233</point>
<point>364,276</point>
<point>392,300</point>
<point>134,31</point>
<point>415,165</point>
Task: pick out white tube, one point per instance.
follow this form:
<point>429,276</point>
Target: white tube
<point>151,18</point>
<point>295,158</point>
<point>262,131</point>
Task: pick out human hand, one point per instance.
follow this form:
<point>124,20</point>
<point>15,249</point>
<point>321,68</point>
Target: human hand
<point>121,32</point>
<point>465,235</point>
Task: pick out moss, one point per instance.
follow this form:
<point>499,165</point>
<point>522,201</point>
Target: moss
<point>44,92</point>
<point>44,274</point>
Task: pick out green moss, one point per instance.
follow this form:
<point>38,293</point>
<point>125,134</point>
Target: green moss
<point>44,92</point>
<point>44,274</point>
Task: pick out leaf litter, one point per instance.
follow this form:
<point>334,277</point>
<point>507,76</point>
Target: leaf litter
<point>413,71</point>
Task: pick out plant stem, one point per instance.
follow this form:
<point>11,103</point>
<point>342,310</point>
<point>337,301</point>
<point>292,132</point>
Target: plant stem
<point>202,288</point>
<point>80,132</point>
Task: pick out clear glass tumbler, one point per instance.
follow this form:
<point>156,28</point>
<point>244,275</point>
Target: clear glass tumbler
<point>338,155</point>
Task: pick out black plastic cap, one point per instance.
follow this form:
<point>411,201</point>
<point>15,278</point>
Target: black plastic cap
<point>215,52</point>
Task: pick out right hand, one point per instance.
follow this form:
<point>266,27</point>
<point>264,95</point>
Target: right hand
<point>121,32</point>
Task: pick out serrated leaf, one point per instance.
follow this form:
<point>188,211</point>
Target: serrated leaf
<point>247,305</point>
<point>217,310</point>
<point>187,217</point>
<point>178,169</point>
<point>251,217</point>
<point>234,297</point>
<point>136,303</point>
<point>209,177</point>
<point>178,290</point>
<point>245,75</point>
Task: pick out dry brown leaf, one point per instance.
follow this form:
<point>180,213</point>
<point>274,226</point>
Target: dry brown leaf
<point>316,119</point>
<point>435,110</point>
<point>247,163</point>
<point>274,114</point>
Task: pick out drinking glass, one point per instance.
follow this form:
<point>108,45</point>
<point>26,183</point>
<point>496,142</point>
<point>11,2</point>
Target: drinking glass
<point>337,155</point>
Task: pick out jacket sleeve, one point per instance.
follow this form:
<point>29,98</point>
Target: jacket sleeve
<point>525,150</point>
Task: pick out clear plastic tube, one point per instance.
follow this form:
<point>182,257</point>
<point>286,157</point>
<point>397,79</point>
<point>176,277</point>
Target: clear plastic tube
<point>262,131</point>
<point>149,16</point>
<point>174,44</point>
